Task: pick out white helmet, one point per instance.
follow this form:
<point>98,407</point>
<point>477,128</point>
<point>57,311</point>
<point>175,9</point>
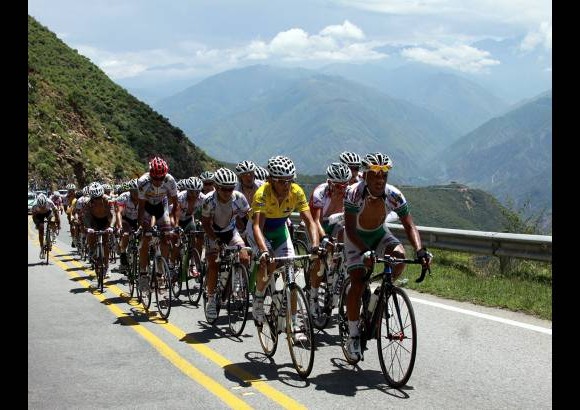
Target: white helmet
<point>132,184</point>
<point>245,166</point>
<point>193,184</point>
<point>261,173</point>
<point>206,176</point>
<point>280,166</point>
<point>41,200</point>
<point>96,190</point>
<point>71,187</point>
<point>181,185</point>
<point>350,158</point>
<point>338,172</point>
<point>375,158</point>
<point>225,177</point>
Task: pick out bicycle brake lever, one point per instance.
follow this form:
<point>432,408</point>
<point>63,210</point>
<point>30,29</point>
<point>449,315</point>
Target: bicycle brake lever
<point>423,272</point>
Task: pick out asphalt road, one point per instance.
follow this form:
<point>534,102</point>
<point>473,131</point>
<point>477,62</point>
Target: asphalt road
<point>92,350</point>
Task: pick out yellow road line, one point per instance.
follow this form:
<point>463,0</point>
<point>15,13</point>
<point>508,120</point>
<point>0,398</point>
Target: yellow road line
<point>260,385</point>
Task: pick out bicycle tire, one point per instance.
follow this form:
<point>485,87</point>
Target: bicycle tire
<point>398,333</point>
<point>100,272</point>
<point>132,270</point>
<point>300,323</point>
<point>268,331</point>
<point>302,266</point>
<point>163,290</point>
<point>177,279</point>
<point>147,296</point>
<point>343,321</point>
<point>324,307</point>
<point>238,300</point>
<point>217,296</point>
<point>194,286</point>
<point>47,242</point>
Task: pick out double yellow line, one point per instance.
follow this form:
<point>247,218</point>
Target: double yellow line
<point>173,357</point>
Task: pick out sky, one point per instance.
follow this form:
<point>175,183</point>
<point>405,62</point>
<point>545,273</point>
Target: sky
<point>144,42</point>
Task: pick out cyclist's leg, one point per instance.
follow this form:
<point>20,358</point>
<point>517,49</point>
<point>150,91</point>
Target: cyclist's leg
<point>389,245</point>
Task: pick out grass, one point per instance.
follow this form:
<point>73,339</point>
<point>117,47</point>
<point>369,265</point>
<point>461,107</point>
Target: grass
<point>525,287</point>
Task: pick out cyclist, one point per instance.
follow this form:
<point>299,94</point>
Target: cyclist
<point>366,206</point>
<point>66,202</point>
<point>207,180</point>
<point>327,199</point>
<point>190,199</point>
<point>221,215</point>
<point>156,189</point>
<point>247,185</point>
<point>43,209</point>
<point>99,216</point>
<point>261,173</point>
<point>352,160</point>
<point>126,210</point>
<point>272,205</point>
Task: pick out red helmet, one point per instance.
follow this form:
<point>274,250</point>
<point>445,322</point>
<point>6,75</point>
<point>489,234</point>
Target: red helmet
<point>158,168</point>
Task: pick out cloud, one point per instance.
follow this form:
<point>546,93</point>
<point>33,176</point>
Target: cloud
<point>344,42</point>
<point>542,36</point>
<point>460,57</point>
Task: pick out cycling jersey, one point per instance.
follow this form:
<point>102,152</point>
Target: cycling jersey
<point>127,206</point>
<point>356,194</point>
<point>42,210</point>
<point>156,195</point>
<point>223,216</point>
<point>183,205</point>
<point>265,202</point>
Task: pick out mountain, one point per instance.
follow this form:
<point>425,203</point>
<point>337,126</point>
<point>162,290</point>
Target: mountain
<point>461,103</point>
<point>509,156</point>
<point>260,111</point>
<point>83,127</point>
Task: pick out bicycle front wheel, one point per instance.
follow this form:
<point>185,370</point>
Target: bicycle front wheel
<point>163,290</point>
<point>397,338</point>
<point>238,301</point>
<point>268,331</point>
<point>299,331</point>
<point>132,272</point>
<point>302,266</point>
<point>194,277</point>
<point>343,321</point>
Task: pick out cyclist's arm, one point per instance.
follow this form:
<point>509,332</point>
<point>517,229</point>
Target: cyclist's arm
<point>206,222</point>
<point>140,213</point>
<point>316,217</point>
<point>411,231</point>
<point>350,231</point>
<point>311,226</point>
<point>175,211</point>
<point>257,223</point>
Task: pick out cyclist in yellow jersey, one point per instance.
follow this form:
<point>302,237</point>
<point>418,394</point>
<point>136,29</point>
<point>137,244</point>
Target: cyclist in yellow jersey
<point>272,205</point>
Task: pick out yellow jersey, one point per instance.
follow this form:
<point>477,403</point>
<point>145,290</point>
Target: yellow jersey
<point>276,213</point>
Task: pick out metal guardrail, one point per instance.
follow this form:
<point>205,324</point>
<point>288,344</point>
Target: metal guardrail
<point>503,245</point>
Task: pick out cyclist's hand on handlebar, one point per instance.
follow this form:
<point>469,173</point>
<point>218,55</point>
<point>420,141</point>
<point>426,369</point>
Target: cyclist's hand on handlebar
<point>368,258</point>
<point>90,230</point>
<point>109,229</point>
<point>425,257</point>
<point>263,256</point>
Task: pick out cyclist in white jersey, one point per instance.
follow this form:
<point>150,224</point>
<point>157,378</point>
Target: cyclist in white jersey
<point>156,189</point>
<point>221,215</point>
<point>207,180</point>
<point>127,212</point>
<point>247,184</point>
<point>327,199</point>
<point>352,160</point>
<point>43,209</point>
<point>366,206</point>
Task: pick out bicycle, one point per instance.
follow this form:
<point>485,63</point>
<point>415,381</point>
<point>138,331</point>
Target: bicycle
<point>330,288</point>
<point>158,275</point>
<point>48,240</point>
<point>232,288</point>
<point>286,310</point>
<point>388,316</point>
<point>133,263</point>
<point>99,258</point>
<point>190,268</point>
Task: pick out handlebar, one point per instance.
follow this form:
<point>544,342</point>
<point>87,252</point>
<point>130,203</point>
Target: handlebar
<point>391,260</point>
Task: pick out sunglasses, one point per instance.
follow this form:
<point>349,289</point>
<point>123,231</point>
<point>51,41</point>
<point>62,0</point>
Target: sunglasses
<point>157,178</point>
<point>226,189</point>
<point>354,167</point>
<point>208,183</point>
<point>339,184</point>
<point>282,180</point>
<point>379,168</point>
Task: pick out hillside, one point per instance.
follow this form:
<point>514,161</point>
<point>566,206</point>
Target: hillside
<point>84,127</point>
<point>509,156</point>
<point>307,116</point>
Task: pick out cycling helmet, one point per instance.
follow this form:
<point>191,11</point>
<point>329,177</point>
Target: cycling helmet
<point>181,185</point>
<point>193,184</point>
<point>96,190</point>
<point>280,166</point>
<point>245,166</point>
<point>338,172</point>
<point>350,158</point>
<point>225,177</point>
<point>206,176</point>
<point>158,167</point>
<point>132,185</point>
<point>375,158</point>
<point>41,200</point>
<point>261,173</point>
<point>86,191</point>
<point>71,187</point>
<point>107,187</point>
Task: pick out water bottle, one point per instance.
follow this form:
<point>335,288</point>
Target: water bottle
<point>336,218</point>
<point>223,275</point>
<point>373,299</point>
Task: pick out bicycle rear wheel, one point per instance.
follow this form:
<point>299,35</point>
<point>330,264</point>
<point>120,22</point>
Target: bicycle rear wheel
<point>268,331</point>
<point>132,271</point>
<point>177,278</point>
<point>324,307</point>
<point>163,290</point>
<point>47,241</point>
<point>238,301</point>
<point>299,331</point>
<point>397,338</point>
<point>193,284</point>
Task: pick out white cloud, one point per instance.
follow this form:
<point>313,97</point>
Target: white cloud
<point>542,36</point>
<point>343,42</point>
<point>461,57</point>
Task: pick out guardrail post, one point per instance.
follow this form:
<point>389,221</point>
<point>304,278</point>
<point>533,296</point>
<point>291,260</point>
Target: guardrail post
<point>505,264</point>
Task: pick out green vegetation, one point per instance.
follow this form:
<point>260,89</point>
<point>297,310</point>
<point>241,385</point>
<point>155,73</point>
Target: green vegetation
<point>83,127</point>
<point>526,287</point>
